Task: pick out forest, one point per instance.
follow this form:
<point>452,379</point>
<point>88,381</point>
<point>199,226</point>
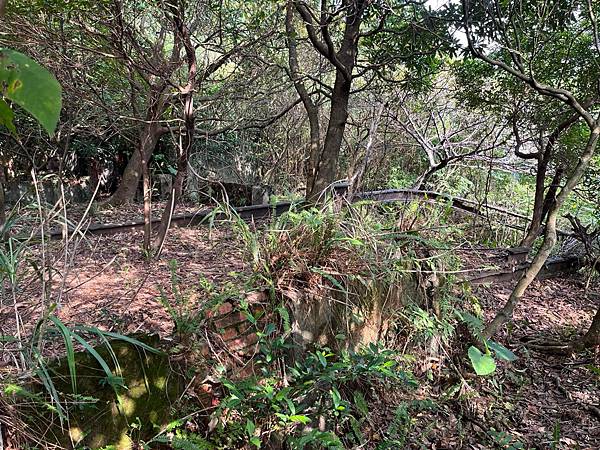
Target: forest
<point>299,224</point>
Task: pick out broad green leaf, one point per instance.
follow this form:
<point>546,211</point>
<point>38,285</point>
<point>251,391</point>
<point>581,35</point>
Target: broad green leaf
<point>322,359</point>
<point>501,351</point>
<point>300,419</point>
<point>291,406</point>
<point>250,427</point>
<point>482,363</point>
<point>7,116</point>
<point>31,86</point>
<point>96,356</point>
<point>336,397</point>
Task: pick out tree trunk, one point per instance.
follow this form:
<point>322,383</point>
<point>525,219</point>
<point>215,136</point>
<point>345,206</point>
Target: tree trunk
<point>148,138</point>
<point>326,169</point>
<point>540,186</point>
<point>177,188</point>
<point>326,166</point>
<point>506,312</point>
<point>552,190</point>
<point>592,337</point>
<point>147,201</point>
<point>542,203</point>
<point>312,110</point>
<point>189,119</point>
<point>344,60</point>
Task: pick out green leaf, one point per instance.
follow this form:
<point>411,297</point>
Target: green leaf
<point>361,404</point>
<point>300,419</point>
<point>269,329</point>
<point>501,351</point>
<point>249,317</point>
<point>330,278</point>
<point>291,406</point>
<point>42,372</point>
<point>31,86</point>
<point>250,427</point>
<point>7,116</point>
<point>483,364</point>
<point>322,359</point>
<point>68,339</point>
<point>123,338</point>
<point>255,441</point>
<point>110,376</point>
<point>336,397</point>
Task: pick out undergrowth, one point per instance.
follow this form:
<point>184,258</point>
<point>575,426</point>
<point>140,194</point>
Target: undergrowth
<point>363,308</point>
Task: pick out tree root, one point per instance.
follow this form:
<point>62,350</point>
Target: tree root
<point>560,348</point>
<point>552,348</point>
<point>593,410</point>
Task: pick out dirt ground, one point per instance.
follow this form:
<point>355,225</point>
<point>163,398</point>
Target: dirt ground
<point>541,400</point>
<point>549,398</point>
<point>109,284</point>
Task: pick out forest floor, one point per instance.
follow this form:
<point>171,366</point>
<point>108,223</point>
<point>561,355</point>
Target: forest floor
<point>550,398</point>
<point>541,400</point>
<point>109,284</point>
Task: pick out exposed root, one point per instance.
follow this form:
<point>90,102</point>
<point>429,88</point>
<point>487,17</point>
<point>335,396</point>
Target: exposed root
<point>560,348</point>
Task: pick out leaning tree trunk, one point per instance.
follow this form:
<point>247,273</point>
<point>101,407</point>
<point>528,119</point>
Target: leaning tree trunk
<point>148,138</point>
<point>542,203</point>
<point>189,120</point>
<point>506,312</point>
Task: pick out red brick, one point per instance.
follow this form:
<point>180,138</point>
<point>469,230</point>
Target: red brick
<point>231,319</point>
<point>230,333</point>
<point>247,351</point>
<point>257,310</point>
<point>225,308</point>
<point>244,372</point>
<point>256,297</point>
<point>243,327</point>
<point>222,310</point>
<point>243,342</point>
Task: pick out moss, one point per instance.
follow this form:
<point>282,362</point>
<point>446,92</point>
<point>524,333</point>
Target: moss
<point>143,404</point>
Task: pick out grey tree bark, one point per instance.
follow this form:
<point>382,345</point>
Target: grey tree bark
<point>148,137</point>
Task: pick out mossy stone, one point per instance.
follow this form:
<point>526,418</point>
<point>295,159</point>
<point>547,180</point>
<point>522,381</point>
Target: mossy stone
<point>147,389</point>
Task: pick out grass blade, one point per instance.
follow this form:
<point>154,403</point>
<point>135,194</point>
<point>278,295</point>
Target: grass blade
<point>68,338</point>
<point>96,355</point>
<point>127,339</point>
<point>42,373</point>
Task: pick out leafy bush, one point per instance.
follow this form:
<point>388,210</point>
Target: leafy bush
<point>319,401</point>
